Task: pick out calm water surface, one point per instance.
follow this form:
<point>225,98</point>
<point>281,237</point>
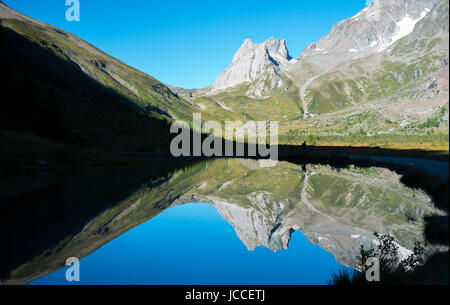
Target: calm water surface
<point>221,221</point>
<point>193,244</point>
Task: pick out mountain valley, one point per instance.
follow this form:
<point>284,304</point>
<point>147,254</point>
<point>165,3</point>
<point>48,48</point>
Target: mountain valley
<point>378,78</point>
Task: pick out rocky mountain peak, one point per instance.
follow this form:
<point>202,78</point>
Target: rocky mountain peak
<point>272,47</point>
<point>255,63</point>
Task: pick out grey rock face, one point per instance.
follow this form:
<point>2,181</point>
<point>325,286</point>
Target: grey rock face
<point>261,64</point>
<point>259,227</point>
<point>435,24</point>
<point>373,30</point>
<point>255,227</point>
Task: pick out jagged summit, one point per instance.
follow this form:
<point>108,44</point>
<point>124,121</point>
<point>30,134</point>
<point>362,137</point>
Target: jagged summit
<point>261,64</point>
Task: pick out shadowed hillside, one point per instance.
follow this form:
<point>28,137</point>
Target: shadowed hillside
<point>46,96</point>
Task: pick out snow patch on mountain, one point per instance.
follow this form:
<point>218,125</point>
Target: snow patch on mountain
<point>406,26</point>
<point>371,31</point>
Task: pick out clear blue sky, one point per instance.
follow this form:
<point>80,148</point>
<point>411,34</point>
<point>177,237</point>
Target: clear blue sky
<point>188,43</point>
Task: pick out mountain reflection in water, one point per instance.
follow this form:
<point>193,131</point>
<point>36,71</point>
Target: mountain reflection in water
<point>271,206</point>
<point>192,244</point>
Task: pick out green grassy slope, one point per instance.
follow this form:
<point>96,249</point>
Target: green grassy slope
<point>282,104</point>
<point>45,95</point>
<point>61,95</point>
<point>143,91</point>
<point>394,78</point>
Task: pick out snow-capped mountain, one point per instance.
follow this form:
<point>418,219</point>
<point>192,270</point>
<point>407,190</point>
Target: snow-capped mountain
<point>391,51</point>
<point>260,64</point>
<point>373,30</point>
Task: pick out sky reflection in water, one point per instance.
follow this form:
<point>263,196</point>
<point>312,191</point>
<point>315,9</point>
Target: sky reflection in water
<point>193,244</point>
